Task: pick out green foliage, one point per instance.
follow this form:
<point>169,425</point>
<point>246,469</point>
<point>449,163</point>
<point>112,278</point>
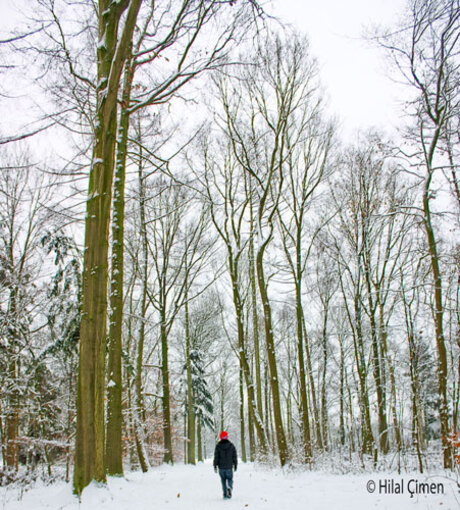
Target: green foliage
<point>204,409</point>
<point>64,290</point>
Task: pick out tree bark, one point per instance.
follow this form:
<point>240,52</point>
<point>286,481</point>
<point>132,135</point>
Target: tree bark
<point>255,318</point>
<point>12,414</point>
<point>324,420</point>
<point>139,414</point>
<point>302,376</point>
<point>377,366</point>
<point>438,323</point>
<point>242,425</point>
<point>342,391</point>
<point>190,400</point>
<point>166,399</point>
<point>113,447</point>
<point>199,440</point>
<point>311,380</point>
<point>90,435</point>
<point>271,357</point>
<point>256,419</point>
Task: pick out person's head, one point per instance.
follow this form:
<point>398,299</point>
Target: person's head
<point>223,435</point>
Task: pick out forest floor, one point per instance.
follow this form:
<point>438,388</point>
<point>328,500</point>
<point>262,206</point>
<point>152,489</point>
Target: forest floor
<point>182,487</point>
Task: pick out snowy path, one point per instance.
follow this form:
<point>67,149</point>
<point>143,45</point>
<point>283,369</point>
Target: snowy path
<point>255,488</point>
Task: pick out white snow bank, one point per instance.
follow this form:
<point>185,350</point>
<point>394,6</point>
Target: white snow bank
<point>182,487</point>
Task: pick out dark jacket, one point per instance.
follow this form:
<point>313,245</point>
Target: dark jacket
<point>225,455</point>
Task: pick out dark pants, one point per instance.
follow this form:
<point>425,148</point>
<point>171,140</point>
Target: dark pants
<point>226,477</point>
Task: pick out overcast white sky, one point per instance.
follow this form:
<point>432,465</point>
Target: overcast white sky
<point>358,86</point>
<point>353,73</point>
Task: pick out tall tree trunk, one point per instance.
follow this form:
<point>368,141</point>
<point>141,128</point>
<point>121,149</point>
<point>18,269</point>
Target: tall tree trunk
<point>415,385</point>
<point>252,446</point>
<point>242,426</point>
<point>350,408</point>
<point>190,400</point>
<point>377,369</point>
<point>222,397</point>
<point>302,376</point>
<point>342,391</point>
<point>199,440</point>
<point>69,425</point>
<point>113,447</point>
<point>271,357</point>
<point>416,408</point>
<point>90,435</point>
<point>129,427</point>
<point>166,399</point>
<point>185,439</point>
<point>366,427</point>
<point>438,323</point>
<point>139,414</point>
<point>2,435</point>
<point>391,370</point>
<point>255,319</point>
<point>311,380</point>
<point>12,414</point>
<point>12,420</point>
<point>324,424</point>
<point>256,419</point>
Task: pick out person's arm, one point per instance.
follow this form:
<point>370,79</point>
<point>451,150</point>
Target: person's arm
<point>216,458</point>
<point>235,458</point>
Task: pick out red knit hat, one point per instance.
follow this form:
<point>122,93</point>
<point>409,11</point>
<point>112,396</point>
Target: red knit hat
<point>223,435</point>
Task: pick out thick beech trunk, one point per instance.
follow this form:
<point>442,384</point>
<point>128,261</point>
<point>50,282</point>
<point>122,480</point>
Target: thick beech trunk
<point>90,436</point>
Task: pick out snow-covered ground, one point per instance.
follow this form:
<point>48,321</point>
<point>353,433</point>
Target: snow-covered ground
<point>182,487</point>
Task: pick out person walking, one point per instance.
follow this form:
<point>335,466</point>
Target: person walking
<point>226,461</point>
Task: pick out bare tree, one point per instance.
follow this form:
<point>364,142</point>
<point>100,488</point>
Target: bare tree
<point>426,54</point>
<point>307,146</point>
<point>175,37</point>
<point>113,49</point>
<point>178,251</point>
<point>23,211</point>
<point>260,116</point>
<point>224,185</point>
